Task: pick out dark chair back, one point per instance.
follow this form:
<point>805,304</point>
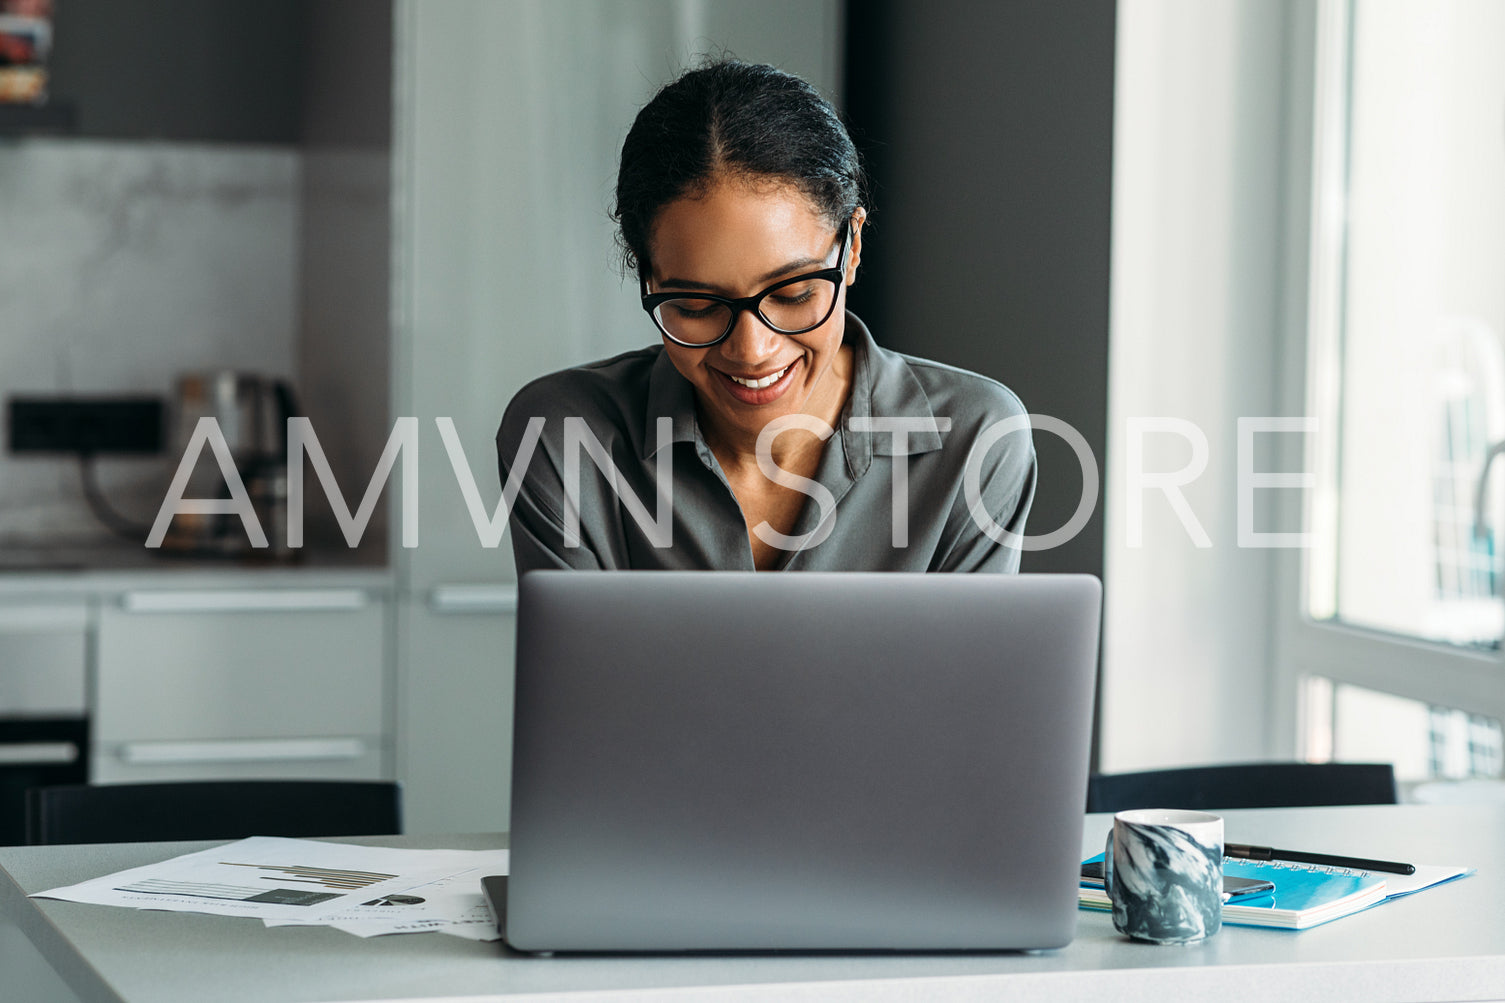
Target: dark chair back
<point>133,813</point>
<point>1244,785</point>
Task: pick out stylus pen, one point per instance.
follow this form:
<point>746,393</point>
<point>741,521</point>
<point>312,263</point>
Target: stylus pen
<point>1242,851</point>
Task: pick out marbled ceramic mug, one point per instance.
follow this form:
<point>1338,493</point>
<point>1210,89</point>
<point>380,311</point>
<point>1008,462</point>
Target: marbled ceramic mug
<point>1163,870</point>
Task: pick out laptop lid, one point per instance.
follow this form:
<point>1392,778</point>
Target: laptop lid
<point>753,761</point>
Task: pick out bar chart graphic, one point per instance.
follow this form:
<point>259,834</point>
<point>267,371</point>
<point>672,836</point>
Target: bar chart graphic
<point>333,880</point>
<point>328,877</point>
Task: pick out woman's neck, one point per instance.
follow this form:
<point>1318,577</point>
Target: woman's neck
<point>797,449</point>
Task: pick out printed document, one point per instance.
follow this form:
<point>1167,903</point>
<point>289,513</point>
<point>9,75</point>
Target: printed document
<point>364,890</point>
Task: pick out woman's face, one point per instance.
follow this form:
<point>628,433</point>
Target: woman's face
<point>735,241</point>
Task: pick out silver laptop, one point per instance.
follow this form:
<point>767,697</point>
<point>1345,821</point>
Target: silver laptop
<point>723,761</point>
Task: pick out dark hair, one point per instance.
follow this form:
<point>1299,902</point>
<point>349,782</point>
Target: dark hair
<point>732,119</point>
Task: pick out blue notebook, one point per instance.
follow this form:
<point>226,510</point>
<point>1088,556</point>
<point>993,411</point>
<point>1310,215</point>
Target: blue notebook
<point>1305,894</point>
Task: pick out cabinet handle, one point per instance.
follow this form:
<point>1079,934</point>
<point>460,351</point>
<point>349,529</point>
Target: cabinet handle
<point>245,601</point>
<point>241,751</point>
<point>38,753</point>
<point>473,599</point>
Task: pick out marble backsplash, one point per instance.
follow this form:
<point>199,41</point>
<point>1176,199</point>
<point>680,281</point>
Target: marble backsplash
<point>121,265</point>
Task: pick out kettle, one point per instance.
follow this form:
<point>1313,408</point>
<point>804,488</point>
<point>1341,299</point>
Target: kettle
<point>252,412</point>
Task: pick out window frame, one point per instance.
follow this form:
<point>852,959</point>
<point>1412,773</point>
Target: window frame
<point>1472,680</point>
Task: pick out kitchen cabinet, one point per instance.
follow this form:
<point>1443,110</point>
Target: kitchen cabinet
<point>241,683</point>
<point>44,648</point>
<point>44,731</point>
<point>458,708</point>
<point>185,673</point>
<point>508,121</point>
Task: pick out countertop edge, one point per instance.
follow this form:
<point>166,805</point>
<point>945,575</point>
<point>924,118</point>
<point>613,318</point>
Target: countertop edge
<point>54,947</point>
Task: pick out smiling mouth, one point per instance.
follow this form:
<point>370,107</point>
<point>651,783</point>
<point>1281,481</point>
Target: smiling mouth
<point>759,384</point>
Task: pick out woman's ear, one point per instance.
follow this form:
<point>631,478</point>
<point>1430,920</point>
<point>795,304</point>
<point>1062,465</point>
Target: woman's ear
<point>858,218</point>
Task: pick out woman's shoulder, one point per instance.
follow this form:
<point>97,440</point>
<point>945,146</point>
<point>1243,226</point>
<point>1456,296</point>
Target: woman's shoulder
<point>967,397</point>
<point>591,384</point>
<point>601,393</point>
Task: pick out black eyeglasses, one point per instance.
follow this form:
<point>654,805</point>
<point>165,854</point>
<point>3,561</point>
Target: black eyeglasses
<point>789,306</point>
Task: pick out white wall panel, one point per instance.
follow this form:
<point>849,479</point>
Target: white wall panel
<point>1195,310</point>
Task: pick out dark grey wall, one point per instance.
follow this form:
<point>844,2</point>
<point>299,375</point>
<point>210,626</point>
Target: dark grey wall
<point>347,89</point>
<point>988,129</point>
<point>226,70</point>
<point>345,338</point>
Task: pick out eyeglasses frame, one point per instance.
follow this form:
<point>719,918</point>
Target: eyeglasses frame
<point>835,274</point>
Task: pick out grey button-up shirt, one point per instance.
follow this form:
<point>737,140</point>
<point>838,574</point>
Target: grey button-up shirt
<point>619,402</point>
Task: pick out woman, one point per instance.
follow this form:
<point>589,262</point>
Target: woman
<point>767,431</point>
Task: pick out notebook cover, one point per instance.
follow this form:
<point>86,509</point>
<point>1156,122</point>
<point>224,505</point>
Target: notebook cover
<point>1305,894</point>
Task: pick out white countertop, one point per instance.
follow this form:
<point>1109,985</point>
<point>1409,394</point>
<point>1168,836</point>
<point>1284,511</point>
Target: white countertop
<point>1444,943</point>
<point>62,570</point>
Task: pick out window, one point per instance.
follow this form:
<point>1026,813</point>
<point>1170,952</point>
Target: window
<point>1396,654</point>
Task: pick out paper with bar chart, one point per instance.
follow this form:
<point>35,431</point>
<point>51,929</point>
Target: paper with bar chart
<point>451,904</point>
<point>366,889</point>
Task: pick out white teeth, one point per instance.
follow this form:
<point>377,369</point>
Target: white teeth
<point>766,381</point>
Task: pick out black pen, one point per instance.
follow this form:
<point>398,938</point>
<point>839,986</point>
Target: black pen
<point>1241,851</point>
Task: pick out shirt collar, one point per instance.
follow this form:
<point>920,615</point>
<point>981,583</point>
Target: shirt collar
<point>882,385</point>
<point>669,395</point>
